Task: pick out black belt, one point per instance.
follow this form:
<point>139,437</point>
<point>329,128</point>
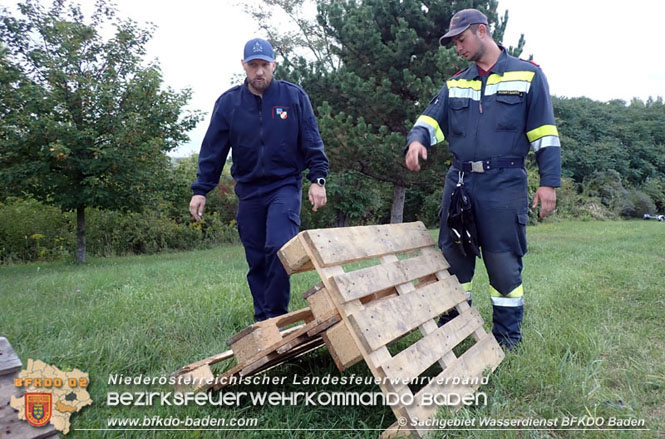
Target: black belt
<point>486,165</point>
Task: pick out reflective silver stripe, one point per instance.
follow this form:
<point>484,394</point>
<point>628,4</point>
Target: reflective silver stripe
<point>544,142</point>
<point>508,301</point>
<point>468,294</point>
<point>516,86</point>
<point>430,130</point>
<point>457,92</point>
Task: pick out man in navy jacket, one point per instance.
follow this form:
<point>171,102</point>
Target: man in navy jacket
<point>270,128</point>
<point>492,114</point>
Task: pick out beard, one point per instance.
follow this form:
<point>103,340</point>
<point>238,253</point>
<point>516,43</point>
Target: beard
<point>260,84</point>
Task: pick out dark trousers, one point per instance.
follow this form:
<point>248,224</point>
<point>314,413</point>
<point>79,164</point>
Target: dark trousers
<point>266,222</point>
<point>500,203</point>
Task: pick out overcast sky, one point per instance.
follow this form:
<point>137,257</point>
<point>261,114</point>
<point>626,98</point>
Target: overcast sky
<point>594,48</point>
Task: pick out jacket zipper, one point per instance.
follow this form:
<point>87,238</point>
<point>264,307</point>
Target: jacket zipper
<point>259,102</point>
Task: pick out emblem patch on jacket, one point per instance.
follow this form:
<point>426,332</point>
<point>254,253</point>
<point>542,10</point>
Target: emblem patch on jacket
<point>280,112</point>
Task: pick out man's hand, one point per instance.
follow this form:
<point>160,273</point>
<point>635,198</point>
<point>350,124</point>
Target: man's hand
<point>416,149</point>
<point>317,196</point>
<point>196,206</point>
<point>547,197</point>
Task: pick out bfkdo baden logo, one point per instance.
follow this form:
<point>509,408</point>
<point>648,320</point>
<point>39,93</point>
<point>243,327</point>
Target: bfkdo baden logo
<point>38,408</point>
<point>51,395</point>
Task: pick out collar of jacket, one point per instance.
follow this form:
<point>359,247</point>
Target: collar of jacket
<point>498,68</point>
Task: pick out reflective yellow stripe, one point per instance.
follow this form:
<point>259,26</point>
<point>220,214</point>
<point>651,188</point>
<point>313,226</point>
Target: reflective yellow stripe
<point>542,131</point>
<point>517,292</point>
<point>510,76</point>
<point>464,83</point>
<point>431,122</point>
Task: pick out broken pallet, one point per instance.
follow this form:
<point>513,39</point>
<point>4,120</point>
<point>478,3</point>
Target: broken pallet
<point>260,347</point>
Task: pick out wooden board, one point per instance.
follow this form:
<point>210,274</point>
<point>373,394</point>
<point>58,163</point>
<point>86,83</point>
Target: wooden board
<point>386,321</point>
<point>339,246</point>
<point>366,281</point>
<point>413,360</point>
<point>9,361</point>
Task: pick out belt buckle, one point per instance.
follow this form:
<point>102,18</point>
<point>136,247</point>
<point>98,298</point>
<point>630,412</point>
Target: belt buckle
<point>477,167</point>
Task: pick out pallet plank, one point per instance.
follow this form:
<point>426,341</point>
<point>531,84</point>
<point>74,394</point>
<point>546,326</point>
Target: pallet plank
<point>337,246</point>
<point>397,316</point>
<point>9,361</point>
<point>485,354</point>
<point>366,281</point>
<point>418,357</point>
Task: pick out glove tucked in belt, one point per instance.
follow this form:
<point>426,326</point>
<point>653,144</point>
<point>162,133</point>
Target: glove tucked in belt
<point>461,222</point>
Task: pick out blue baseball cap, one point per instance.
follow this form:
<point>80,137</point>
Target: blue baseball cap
<point>461,21</point>
<point>259,49</point>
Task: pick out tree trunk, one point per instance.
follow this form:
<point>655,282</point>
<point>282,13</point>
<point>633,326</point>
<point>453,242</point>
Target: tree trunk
<point>80,235</point>
<point>397,209</point>
<point>341,220</point>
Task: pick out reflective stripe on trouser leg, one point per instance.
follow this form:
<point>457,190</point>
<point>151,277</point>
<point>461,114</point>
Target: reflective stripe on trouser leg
<point>507,316</point>
<point>504,270</point>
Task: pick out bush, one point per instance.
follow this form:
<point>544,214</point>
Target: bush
<point>118,233</point>
<point>655,189</point>
<point>634,205</point>
<point>30,231</point>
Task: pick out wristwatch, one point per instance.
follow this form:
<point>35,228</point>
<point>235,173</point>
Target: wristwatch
<point>320,181</point>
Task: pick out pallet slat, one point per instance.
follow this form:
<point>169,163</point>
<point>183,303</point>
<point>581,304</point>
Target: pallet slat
<point>418,357</point>
<point>366,281</point>
<point>338,246</point>
<point>397,316</point>
<point>486,354</point>
<point>9,361</point>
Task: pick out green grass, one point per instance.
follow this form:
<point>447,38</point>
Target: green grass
<point>594,342</point>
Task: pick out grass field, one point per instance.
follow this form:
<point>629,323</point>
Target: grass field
<point>594,336</point>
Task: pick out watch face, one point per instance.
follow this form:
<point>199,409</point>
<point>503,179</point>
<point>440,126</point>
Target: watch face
<point>321,181</point>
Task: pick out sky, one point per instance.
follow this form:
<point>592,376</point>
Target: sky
<point>595,48</point>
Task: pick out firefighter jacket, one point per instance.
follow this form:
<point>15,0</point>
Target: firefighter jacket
<point>498,116</point>
<point>272,140</point>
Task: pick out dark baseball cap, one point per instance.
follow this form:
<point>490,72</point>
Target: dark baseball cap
<point>258,49</point>
<point>461,22</point>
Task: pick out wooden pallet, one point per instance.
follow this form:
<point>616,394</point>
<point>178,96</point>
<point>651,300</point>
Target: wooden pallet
<point>260,347</point>
<point>406,291</point>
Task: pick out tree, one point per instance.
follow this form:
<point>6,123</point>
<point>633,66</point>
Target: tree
<point>370,68</point>
<point>89,122</point>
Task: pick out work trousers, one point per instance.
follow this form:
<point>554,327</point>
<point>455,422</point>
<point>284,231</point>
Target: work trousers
<point>267,221</point>
<point>500,203</point>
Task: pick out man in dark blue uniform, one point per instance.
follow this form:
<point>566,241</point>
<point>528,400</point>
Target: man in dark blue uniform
<point>271,130</point>
<point>492,113</point>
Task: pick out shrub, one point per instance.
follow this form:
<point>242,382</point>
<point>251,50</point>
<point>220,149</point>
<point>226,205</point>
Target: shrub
<point>30,231</point>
